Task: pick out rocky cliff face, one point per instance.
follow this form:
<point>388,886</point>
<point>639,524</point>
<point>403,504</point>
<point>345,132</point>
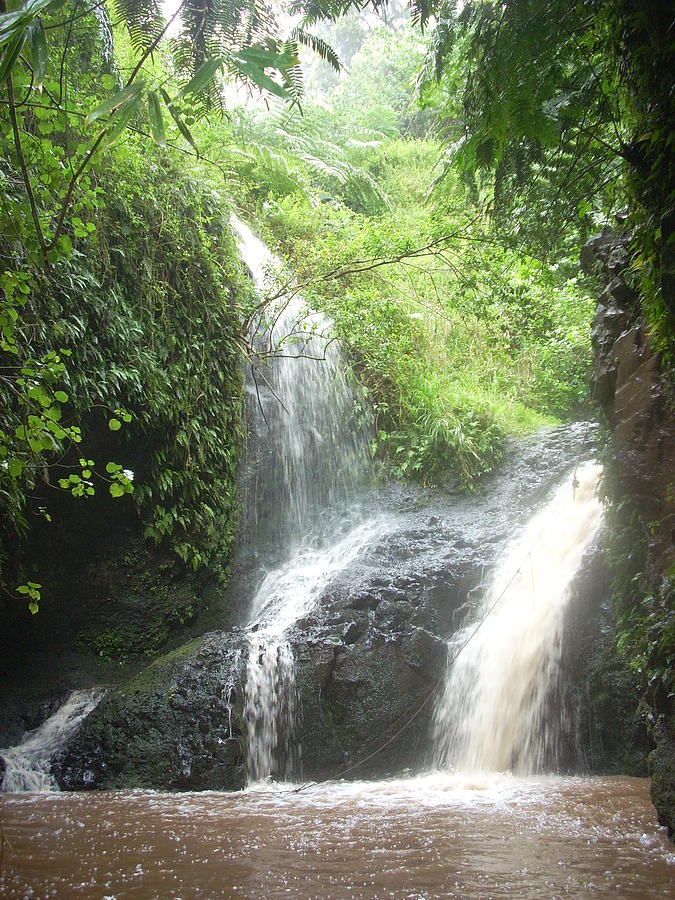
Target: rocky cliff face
<point>638,397</point>
<point>369,655</point>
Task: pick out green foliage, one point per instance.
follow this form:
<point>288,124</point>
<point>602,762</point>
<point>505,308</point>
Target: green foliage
<point>458,345</point>
<point>565,114</point>
<point>646,609</point>
<point>155,597</point>
<point>143,315</point>
<point>295,155</point>
<point>170,353</point>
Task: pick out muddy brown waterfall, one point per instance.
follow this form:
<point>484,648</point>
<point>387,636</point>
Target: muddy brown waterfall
<point>496,712</point>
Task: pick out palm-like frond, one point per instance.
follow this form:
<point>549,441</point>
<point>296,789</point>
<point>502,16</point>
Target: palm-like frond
<point>220,27</point>
<point>143,18</point>
<point>314,11</point>
<point>322,49</point>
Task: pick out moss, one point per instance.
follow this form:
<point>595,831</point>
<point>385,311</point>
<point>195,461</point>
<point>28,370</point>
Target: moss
<point>157,672</point>
<point>153,600</point>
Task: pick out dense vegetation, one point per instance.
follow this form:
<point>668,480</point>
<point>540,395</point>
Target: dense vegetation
<point>432,199</point>
<point>120,372</point>
<point>459,339</point>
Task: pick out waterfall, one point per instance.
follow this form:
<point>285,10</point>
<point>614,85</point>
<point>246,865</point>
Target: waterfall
<point>307,456</point>
<point>27,764</point>
<point>306,453</point>
<point>495,712</point>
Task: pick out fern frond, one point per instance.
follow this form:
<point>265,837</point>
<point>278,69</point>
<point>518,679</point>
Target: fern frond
<point>322,49</point>
<point>316,11</point>
<point>143,19</point>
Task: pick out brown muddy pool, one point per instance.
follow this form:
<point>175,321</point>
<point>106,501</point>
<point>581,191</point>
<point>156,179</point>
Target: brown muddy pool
<point>431,836</point>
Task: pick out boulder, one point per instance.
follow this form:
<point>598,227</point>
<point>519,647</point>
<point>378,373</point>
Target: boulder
<point>662,770</point>
<point>176,726</point>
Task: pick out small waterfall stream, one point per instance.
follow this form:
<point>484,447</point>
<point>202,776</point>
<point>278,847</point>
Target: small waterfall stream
<point>498,710</point>
<point>27,764</point>
<point>306,459</point>
<point>306,453</point>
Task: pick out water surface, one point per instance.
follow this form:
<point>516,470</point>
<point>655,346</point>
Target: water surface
<point>434,836</point>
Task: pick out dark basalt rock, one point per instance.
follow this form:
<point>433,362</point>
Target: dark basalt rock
<point>368,657</point>
<point>662,770</point>
<point>639,399</point>
<point>169,727</point>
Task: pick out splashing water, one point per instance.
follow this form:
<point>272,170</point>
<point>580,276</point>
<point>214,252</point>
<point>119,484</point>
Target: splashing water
<point>285,596</point>
<point>27,764</point>
<point>306,458</point>
<point>495,710</point>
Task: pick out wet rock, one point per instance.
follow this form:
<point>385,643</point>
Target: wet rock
<point>639,398</point>
<point>662,770</point>
<point>604,731</point>
<point>608,324</point>
<point>365,600</point>
<point>368,655</point>
<point>643,425</point>
<point>596,251</point>
<point>168,728</point>
<point>371,692</point>
<point>668,260</point>
<point>353,631</point>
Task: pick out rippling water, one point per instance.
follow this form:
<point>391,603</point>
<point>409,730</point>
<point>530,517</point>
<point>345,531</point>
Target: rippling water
<point>433,836</point>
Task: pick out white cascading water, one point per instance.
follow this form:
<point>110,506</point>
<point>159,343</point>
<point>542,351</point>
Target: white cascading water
<point>27,764</point>
<point>305,453</point>
<point>285,596</point>
<point>305,461</point>
<point>494,713</point>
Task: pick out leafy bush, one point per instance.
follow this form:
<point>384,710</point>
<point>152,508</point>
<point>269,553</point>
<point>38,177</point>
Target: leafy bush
<point>133,335</point>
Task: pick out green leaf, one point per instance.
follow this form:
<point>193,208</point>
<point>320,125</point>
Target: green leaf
<point>116,490</point>
<point>247,64</point>
<point>175,115</point>
<point>319,46</point>
<point>127,94</point>
<point>53,413</point>
<point>201,78</point>
<point>38,52</point>
<point>33,606</point>
<point>122,117</point>
<point>11,54</point>
<point>114,424</point>
<point>107,82</point>
<point>39,394</point>
<point>61,396</point>
<point>156,119</point>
